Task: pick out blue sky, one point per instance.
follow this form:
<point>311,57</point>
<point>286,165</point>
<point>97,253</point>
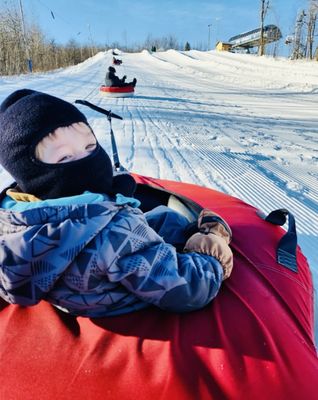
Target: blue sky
<point>131,21</point>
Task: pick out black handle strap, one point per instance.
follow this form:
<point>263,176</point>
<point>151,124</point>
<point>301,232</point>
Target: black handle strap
<point>117,164</point>
<point>110,115</point>
<point>98,109</point>
<point>217,219</point>
<point>286,249</point>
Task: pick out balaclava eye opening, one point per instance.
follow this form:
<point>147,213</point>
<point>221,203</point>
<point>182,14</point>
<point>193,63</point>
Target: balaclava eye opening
<point>26,117</point>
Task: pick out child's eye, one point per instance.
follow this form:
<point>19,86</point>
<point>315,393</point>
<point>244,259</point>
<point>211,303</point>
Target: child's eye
<point>64,159</point>
<point>91,146</point>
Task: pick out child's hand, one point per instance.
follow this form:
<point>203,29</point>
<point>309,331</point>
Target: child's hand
<point>212,239</point>
<point>124,184</point>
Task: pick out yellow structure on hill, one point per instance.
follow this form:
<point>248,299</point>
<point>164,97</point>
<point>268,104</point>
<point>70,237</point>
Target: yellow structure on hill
<point>223,46</point>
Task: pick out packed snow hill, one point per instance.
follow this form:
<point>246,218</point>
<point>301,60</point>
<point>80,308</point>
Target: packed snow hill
<point>244,125</point>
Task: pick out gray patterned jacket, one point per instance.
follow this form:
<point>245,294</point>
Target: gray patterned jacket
<point>98,260</point>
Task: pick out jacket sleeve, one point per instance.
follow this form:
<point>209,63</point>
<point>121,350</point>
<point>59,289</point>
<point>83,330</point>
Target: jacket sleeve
<point>157,274</point>
<point>171,281</point>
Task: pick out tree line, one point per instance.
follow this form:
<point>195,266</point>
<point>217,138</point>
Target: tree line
<point>305,32</point>
<point>19,48</point>
<point>24,48</point>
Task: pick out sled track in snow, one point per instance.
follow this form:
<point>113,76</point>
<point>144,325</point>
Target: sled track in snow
<point>176,163</point>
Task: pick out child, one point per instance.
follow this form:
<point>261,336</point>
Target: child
<point>70,237</point>
<point>111,79</point>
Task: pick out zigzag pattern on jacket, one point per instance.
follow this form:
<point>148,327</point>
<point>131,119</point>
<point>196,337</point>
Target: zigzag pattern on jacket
<point>98,260</point>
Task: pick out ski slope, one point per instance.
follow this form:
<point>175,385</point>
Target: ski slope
<point>244,125</point>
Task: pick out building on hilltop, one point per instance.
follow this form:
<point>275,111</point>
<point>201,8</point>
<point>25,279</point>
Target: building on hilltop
<point>223,46</point>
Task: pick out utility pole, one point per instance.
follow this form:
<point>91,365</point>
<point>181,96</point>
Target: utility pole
<point>27,53</point>
<point>263,13</point>
<point>91,40</point>
<point>217,19</point>
<point>209,36</point>
<point>261,47</point>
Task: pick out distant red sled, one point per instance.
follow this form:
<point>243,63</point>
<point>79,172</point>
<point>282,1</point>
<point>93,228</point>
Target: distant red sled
<point>116,91</point>
<point>253,341</point>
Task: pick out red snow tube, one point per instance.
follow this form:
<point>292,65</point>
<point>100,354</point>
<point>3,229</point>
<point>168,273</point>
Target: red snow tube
<point>115,91</point>
<point>253,341</point>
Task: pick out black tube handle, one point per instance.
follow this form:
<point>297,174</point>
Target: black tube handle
<point>98,109</point>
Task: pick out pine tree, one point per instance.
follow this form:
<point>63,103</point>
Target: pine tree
<point>187,46</point>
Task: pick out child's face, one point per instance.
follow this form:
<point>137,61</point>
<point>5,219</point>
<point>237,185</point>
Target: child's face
<point>66,144</point>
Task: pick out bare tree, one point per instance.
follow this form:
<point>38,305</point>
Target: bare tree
<point>298,46</point>
<point>45,54</point>
<point>163,43</point>
<point>12,45</point>
<point>311,26</point>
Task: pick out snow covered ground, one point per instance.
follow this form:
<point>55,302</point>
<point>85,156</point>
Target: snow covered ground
<point>244,125</point>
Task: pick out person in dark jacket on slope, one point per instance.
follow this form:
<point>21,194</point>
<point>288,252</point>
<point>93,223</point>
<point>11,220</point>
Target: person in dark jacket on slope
<point>111,79</point>
<point>117,61</point>
<point>71,233</point>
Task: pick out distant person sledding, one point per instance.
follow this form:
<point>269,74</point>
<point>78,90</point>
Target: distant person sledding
<point>117,61</point>
<point>111,79</point>
<point>117,87</point>
<point>114,53</point>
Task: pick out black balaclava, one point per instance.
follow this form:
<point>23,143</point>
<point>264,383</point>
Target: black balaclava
<point>26,117</point>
